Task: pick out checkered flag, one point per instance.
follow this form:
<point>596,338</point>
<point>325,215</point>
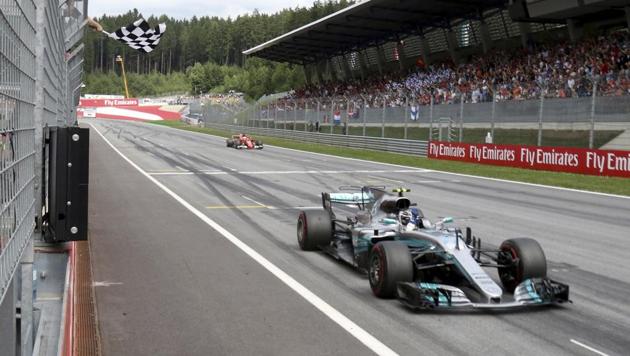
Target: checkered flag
<point>139,35</point>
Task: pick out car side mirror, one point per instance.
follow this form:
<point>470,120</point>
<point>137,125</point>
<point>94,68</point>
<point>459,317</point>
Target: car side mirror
<point>446,220</point>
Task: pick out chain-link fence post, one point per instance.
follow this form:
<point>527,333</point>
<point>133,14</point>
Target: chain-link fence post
<point>364,114</point>
<point>285,116</point>
<point>406,115</point>
<point>461,118</point>
<point>295,109</point>
<point>431,118</point>
<point>591,134</point>
<point>540,115</point>
<point>275,115</point>
<point>317,116</point>
<point>250,121</point>
<point>383,117</point>
<point>256,115</point>
<point>332,116</point>
<point>306,115</point>
<point>494,112</point>
<point>344,118</point>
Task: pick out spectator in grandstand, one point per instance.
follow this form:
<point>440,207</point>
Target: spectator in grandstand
<point>560,70</point>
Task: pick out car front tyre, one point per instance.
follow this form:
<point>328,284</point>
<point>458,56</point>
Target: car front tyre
<point>525,258</point>
<point>389,263</point>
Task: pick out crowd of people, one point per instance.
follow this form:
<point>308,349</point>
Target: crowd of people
<point>556,70</point>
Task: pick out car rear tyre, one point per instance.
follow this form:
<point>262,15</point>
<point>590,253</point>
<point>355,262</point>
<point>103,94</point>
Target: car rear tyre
<point>390,263</point>
<point>229,143</point>
<point>527,260</point>
<point>314,229</point>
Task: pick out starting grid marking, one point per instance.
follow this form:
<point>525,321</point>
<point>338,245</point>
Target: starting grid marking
<point>215,172</point>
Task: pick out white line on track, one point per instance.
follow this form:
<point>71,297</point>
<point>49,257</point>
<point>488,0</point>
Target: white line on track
<point>589,348</point>
<point>187,173</point>
<point>387,179</point>
<point>355,330</point>
<point>426,170</point>
<point>254,201</point>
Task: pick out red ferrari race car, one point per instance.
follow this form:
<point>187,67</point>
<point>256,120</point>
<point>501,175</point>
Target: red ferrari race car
<point>244,141</point>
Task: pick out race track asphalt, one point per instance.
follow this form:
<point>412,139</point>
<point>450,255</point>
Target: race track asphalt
<point>167,283</point>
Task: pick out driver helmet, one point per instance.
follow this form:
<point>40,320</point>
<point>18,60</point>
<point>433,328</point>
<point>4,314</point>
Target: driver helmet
<point>405,217</point>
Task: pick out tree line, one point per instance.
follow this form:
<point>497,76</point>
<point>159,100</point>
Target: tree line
<point>205,51</point>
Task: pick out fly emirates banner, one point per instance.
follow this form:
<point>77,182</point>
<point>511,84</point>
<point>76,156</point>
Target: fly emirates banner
<point>559,159</point>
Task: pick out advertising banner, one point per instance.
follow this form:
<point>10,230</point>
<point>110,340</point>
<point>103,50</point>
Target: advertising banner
<point>107,102</point>
<point>558,159</point>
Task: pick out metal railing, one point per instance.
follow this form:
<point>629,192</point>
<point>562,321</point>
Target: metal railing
<point>399,114</point>
<point>394,109</point>
<point>412,147</point>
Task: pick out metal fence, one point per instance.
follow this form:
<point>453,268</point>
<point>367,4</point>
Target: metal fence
<point>398,114</point>
<point>17,130</point>
<point>40,78</point>
<point>413,147</point>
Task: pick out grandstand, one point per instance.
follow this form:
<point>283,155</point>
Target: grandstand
<point>384,36</point>
<point>510,63</point>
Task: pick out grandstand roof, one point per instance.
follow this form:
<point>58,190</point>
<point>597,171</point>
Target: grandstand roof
<point>366,24</point>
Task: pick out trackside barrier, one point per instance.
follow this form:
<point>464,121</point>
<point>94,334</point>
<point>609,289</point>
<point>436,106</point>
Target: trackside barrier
<point>557,159</point>
<point>411,147</point>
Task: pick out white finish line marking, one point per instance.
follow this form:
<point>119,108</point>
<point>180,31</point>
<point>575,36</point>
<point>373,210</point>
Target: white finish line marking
<point>184,172</point>
<point>589,348</point>
<point>363,336</point>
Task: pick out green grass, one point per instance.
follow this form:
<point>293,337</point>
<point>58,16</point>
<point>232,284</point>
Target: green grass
<point>610,185</point>
<point>556,138</point>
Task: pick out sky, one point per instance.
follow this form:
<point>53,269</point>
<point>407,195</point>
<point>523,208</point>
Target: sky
<point>181,9</point>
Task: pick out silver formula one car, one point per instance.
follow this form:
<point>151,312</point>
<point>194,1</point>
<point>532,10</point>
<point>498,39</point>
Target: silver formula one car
<point>425,264</point>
